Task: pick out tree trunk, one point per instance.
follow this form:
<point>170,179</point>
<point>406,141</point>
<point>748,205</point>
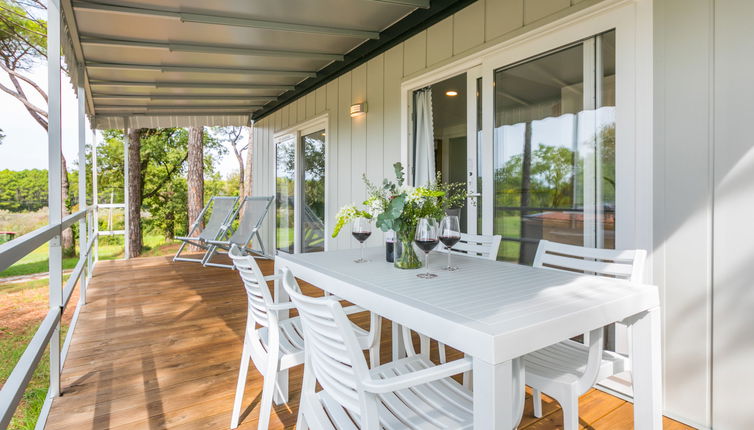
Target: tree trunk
<point>66,238</point>
<point>134,191</point>
<point>195,177</point>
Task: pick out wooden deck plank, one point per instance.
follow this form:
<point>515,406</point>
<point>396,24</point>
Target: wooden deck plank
<point>158,347</point>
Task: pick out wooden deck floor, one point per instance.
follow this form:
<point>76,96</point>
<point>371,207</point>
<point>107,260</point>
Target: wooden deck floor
<point>158,347</point>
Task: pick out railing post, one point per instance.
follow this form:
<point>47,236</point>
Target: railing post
<point>95,197</point>
<point>83,237</point>
<point>126,248</point>
<point>54,183</point>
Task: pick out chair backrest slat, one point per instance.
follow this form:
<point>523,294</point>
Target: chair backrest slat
<point>621,264</point>
<point>477,245</point>
<point>257,292</point>
<point>331,346</point>
<point>254,211</point>
<point>222,211</point>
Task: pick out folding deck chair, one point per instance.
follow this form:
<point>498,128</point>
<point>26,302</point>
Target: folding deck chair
<point>219,222</point>
<point>248,229</point>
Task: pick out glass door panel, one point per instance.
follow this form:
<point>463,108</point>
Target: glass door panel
<point>554,150</point>
<point>285,188</point>
<point>313,201</point>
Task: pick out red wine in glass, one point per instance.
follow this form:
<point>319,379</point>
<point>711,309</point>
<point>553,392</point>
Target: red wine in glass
<point>361,236</point>
<point>449,241</point>
<point>426,245</point>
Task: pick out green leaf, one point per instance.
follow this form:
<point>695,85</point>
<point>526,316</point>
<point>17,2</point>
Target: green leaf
<point>399,172</point>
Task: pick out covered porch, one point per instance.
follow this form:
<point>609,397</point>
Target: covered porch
<point>159,344</point>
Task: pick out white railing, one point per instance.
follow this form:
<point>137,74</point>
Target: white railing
<point>10,253</point>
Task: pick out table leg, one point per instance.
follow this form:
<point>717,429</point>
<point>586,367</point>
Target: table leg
<point>646,356</point>
<point>399,351</point>
<point>498,394</point>
<point>279,295</point>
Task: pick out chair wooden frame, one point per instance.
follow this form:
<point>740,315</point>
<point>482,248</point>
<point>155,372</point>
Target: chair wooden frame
<point>568,369</point>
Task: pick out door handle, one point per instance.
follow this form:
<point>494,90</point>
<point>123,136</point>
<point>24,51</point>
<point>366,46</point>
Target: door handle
<point>474,195</point>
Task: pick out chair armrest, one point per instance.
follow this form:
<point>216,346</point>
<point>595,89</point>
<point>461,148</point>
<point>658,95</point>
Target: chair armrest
<point>273,277</point>
<point>217,242</point>
<point>349,310</point>
<point>395,383</point>
<point>281,306</point>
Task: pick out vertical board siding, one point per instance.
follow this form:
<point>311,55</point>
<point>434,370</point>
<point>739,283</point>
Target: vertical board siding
<point>320,97</point>
<point>468,27</point>
<point>733,282</point>
<point>343,172</point>
<point>310,105</point>
<point>415,53</point>
<point>391,150</point>
<point>332,179</point>
<point>359,134</point>
<point>440,41</point>
<point>682,219</point>
<point>537,9</point>
<point>502,16</point>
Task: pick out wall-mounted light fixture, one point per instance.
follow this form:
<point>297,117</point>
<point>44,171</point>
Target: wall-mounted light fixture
<point>451,93</point>
<point>358,109</point>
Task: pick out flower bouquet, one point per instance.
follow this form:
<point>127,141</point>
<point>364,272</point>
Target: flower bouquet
<point>399,207</point>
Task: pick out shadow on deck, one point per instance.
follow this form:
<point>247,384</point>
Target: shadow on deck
<point>158,347</point>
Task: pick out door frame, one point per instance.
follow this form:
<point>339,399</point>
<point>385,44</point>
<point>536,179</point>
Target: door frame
<point>320,122</point>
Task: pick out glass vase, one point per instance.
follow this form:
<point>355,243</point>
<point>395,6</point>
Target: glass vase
<point>405,257</point>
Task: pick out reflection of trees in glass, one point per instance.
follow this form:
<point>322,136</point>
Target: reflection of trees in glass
<point>314,175</point>
<point>607,161</point>
<point>551,178</point>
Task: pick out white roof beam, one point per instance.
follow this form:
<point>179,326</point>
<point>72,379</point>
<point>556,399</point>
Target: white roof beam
<point>228,20</point>
<point>210,49</point>
<point>421,4</point>
<point>159,114</point>
<point>179,107</point>
<point>194,69</point>
<point>250,99</point>
<point>207,85</point>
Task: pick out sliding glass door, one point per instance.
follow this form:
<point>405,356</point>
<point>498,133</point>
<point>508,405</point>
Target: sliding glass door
<point>554,149</point>
<point>300,190</point>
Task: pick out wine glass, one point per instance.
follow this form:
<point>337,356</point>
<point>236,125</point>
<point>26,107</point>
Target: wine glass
<point>450,234</point>
<point>426,239</point>
<point>361,229</point>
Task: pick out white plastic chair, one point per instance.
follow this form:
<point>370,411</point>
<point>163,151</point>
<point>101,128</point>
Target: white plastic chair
<point>407,393</point>
<point>477,245</point>
<point>278,344</point>
<point>254,211</point>
<point>568,369</point>
<point>470,245</point>
<point>219,221</point>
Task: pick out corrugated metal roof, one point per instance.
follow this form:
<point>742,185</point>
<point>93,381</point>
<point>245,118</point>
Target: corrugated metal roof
<point>163,63</point>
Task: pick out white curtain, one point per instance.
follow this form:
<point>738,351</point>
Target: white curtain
<point>424,171</point>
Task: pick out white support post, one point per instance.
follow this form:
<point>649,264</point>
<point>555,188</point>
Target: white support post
<point>54,183</point>
<point>83,236</point>
<point>95,197</point>
<point>126,250</point>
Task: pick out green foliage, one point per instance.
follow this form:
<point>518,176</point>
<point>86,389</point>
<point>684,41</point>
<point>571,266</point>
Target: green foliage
<point>23,190</point>
<point>23,39</point>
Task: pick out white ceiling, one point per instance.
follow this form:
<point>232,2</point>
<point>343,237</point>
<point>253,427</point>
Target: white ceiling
<point>242,55</point>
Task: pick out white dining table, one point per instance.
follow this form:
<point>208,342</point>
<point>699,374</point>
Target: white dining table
<point>496,312</point>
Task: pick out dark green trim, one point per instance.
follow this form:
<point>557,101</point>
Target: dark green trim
<point>412,24</point>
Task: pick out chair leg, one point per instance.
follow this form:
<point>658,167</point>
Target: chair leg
<point>268,391</point>
<point>281,388</point>
<point>240,386</point>
<point>467,379</point>
<point>570,405</point>
<point>375,326</point>
<point>441,351</point>
<point>536,398</point>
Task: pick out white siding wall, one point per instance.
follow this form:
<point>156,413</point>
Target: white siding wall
<point>371,144</point>
<point>704,188</point>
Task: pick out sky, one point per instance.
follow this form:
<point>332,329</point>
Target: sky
<point>25,142</point>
